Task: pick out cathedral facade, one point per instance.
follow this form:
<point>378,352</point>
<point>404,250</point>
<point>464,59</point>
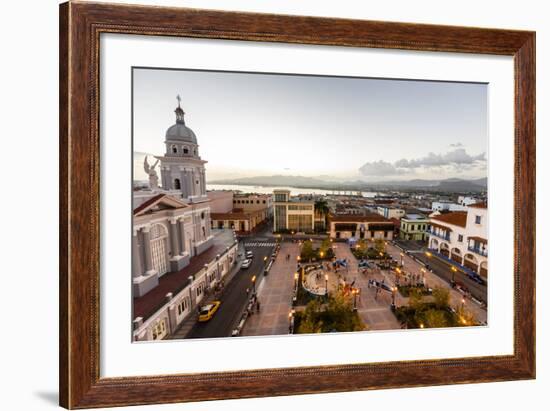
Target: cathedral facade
<point>172,237</point>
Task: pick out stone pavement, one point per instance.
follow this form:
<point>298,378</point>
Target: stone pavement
<point>275,295</point>
<point>432,280</point>
<point>373,309</point>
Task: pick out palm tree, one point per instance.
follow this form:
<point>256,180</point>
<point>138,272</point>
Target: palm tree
<point>322,209</point>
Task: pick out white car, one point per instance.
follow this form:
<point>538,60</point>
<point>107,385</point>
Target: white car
<point>246,263</point>
<point>249,254</point>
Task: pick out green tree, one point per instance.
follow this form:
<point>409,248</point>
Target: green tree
<point>434,318</point>
<point>307,252</point>
<point>441,297</point>
<point>336,315</point>
<point>380,245</point>
<point>415,299</point>
<point>322,209</point>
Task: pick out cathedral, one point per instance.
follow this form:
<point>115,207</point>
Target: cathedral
<point>171,222</point>
<point>177,259</point>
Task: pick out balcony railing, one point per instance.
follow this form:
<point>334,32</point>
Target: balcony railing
<point>478,250</point>
<point>446,237</point>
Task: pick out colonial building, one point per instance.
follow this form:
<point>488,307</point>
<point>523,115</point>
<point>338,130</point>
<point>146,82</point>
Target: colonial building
<point>366,226</point>
<point>176,259</point>
<point>414,227</point>
<point>167,232</point>
<point>292,214</point>
<point>239,212</point>
<point>462,236</point>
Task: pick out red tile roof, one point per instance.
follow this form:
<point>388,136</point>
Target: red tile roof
<point>361,218</point>
<point>479,205</point>
<point>457,218</point>
<point>146,305</point>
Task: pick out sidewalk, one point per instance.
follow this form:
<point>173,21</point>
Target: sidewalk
<point>275,296</point>
<point>433,280</point>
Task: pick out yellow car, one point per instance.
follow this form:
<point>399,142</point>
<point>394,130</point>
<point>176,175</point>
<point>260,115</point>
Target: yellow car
<point>207,311</point>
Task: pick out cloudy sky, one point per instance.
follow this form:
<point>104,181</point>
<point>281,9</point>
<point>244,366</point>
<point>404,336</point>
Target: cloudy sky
<point>349,128</point>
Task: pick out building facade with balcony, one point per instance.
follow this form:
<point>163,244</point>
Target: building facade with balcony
<point>462,237</point>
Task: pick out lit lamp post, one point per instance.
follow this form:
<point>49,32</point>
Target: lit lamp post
<point>453,271</point>
<point>397,274</point>
<point>355,291</point>
<point>321,254</point>
<point>296,275</point>
<point>423,279</point>
<point>254,284</point>
<point>401,254</point>
<point>291,322</point>
<point>393,292</point>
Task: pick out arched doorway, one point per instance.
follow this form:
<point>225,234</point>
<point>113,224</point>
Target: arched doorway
<point>471,262</point>
<point>444,250</point>
<point>159,255</point>
<point>483,269</point>
<point>434,244</point>
<point>177,184</point>
<point>456,255</point>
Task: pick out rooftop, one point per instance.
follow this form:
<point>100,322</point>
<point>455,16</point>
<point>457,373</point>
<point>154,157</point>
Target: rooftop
<point>363,218</point>
<point>457,218</point>
<point>479,205</point>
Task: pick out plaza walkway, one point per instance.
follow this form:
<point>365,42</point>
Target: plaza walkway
<point>373,309</point>
<point>275,296</point>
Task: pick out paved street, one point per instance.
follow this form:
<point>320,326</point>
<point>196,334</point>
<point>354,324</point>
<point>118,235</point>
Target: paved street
<point>275,295</point>
<point>433,280</point>
<point>373,309</point>
<point>443,269</point>
<point>234,296</point>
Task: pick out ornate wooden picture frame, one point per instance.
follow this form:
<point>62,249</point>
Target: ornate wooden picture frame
<point>81,25</point>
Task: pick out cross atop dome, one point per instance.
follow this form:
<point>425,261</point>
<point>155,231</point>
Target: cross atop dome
<point>179,112</point>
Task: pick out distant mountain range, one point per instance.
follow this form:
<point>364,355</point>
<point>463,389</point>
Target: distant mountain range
<point>447,185</point>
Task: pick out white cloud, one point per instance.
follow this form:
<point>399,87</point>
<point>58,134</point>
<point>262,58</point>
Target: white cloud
<point>457,159</point>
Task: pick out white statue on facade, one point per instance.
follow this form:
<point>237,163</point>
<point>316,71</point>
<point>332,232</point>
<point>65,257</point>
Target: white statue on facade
<point>153,176</point>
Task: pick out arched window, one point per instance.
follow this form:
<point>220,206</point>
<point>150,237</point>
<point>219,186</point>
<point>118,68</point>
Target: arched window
<point>185,150</point>
<point>174,148</point>
<point>177,184</point>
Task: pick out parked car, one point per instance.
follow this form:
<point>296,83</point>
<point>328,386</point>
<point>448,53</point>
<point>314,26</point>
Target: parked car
<point>207,311</point>
<point>476,278</point>
<point>249,254</point>
<point>246,263</point>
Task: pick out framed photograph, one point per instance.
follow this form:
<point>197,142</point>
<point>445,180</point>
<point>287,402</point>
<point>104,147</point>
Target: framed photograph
<point>257,205</point>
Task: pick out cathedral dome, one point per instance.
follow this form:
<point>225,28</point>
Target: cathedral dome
<point>179,131</point>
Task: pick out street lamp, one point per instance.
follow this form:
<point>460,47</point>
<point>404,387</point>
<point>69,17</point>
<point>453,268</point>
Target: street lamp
<point>326,285</point>
<point>355,291</point>
<point>423,272</point>
<point>428,254</point>
<point>296,275</point>
<point>401,254</point>
<point>453,271</point>
<point>254,284</point>
<point>393,291</point>
<point>321,254</point>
